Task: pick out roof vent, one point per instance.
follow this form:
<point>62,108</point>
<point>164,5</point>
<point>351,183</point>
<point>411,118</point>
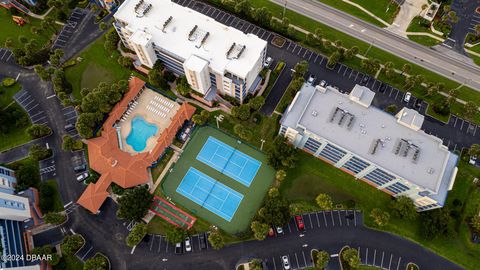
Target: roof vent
<point>142,8</point>
<point>431,170</point>
<point>166,23</point>
<point>314,113</point>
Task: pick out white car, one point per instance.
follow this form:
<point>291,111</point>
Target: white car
<point>473,160</point>
<point>286,262</point>
<point>407,97</point>
<point>82,176</point>
<point>279,230</point>
<point>323,83</point>
<point>311,79</point>
<point>268,62</point>
<point>188,246</point>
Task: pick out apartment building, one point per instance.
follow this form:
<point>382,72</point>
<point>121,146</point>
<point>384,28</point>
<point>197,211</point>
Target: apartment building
<point>390,153</point>
<point>7,180</point>
<point>215,58</point>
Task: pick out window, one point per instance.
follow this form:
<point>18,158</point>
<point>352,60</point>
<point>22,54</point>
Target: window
<point>356,165</point>
<point>312,145</point>
<point>332,153</point>
<point>379,177</point>
<point>397,188</point>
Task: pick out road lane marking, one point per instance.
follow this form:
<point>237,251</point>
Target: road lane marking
<point>339,218</point>
<point>318,221</point>
<point>325,218</point>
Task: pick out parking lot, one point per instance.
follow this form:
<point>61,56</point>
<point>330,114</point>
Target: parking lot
<point>380,258</point>
<point>6,56</point>
<point>47,169</point>
<point>299,259</point>
<point>159,244</point>
<point>326,219</point>
<point>69,28</point>
<point>31,106</point>
<point>70,116</point>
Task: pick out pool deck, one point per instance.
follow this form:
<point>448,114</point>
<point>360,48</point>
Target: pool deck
<point>151,117</point>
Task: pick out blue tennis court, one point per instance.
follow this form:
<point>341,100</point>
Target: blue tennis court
<point>210,194</point>
<point>229,161</point>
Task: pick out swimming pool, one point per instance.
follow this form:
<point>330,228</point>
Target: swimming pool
<point>140,132</point>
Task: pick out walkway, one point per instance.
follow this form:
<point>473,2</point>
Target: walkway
<point>408,10</point>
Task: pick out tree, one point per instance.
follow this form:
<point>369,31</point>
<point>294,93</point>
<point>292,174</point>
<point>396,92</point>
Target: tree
<point>102,26</point>
<point>389,69</point>
<point>38,152</point>
<point>413,81</point>
<point>183,87</point>
<point>125,61</point>
<point>136,234</point>
<point>256,103</point>
<point>216,240</point>
<point>370,65</point>
<point>54,218</point>
<point>350,53</point>
<point>477,30</point>
<point>406,68</point>
<point>281,155</point>
<point>55,57</point>
<point>322,259</point>
<point>275,210</point>
<point>97,262</point>
<point>38,130</point>
<point>70,144</point>
<point>273,192</point>
<point>436,223</point>
<point>404,208</point>
<point>9,43</point>
<point>280,175</point>
<point>452,96</point>
<point>201,118</point>
<point>380,217</point>
<point>255,265</point>
<point>243,132</point>
<point>333,59</point>
<point>470,109</point>
<point>244,8</point>
<point>475,222</point>
<point>391,109</point>
<point>134,204</point>
<point>156,79</point>
<point>263,16</point>
<point>301,69</point>
<point>474,150</point>
<point>47,250</point>
<point>111,40</point>
<point>27,176</point>
<point>175,234</point>
<point>324,201</point>
<point>260,230</point>
<point>241,112</point>
<point>350,257</point>
<point>71,244</point>
<point>42,73</point>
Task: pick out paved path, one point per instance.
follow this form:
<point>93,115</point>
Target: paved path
<point>386,40</point>
<point>408,10</point>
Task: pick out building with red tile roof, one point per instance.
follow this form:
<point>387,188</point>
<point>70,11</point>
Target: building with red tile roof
<point>120,167</point>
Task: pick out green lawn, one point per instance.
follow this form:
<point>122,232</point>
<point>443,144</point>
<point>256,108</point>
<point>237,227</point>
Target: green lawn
<point>312,176</point>
<point>352,10</point>
<point>97,65</point>
<point>253,195</point>
<point>12,30</point>
<point>58,204</point>
<point>157,170</point>
<point>424,40</point>
<point>15,136</point>
<point>476,59</point>
<point>69,262</point>
<point>308,24</point>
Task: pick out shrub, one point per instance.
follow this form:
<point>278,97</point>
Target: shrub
<point>38,152</point>
<point>54,218</point>
<point>442,107</point>
<point>98,262</point>
<point>70,144</point>
<point>46,197</point>
<point>71,244</point>
<point>118,190</point>
<point>7,82</point>
<point>136,234</point>
<point>38,131</point>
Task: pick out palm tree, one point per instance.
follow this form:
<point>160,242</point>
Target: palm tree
<point>9,43</point>
<point>477,30</point>
<point>406,68</point>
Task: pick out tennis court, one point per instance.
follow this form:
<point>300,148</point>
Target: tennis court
<point>210,194</point>
<point>229,161</point>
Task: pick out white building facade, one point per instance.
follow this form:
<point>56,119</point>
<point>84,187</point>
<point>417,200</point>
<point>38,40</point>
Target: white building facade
<point>390,153</point>
<point>215,58</point>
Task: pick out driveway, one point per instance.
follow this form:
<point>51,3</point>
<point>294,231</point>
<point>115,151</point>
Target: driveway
<point>467,19</point>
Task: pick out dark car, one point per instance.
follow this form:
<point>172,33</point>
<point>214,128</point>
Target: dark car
<point>203,241</point>
<point>179,248</point>
<point>80,168</point>
<point>382,89</point>
<point>366,79</point>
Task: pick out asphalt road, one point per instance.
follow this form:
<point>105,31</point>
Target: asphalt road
<point>468,18</point>
<point>399,46</point>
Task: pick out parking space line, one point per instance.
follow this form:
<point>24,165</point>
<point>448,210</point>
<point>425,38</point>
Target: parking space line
<point>325,218</point>
<point>318,221</point>
<point>340,68</point>
<point>305,53</point>
<point>310,56</point>
<point>398,265</point>
<point>274,266</point>
<point>311,223</point>
<point>346,218</point>
<point>289,229</point>
<point>454,125</point>
<point>9,57</point>
<point>374,256</point>
<point>296,258</point>
<point>160,243</point>
<point>323,58</point>
<point>294,48</point>
<point>351,72</point>
<point>397,94</point>
<point>390,264</point>
<point>355,218</point>
<point>461,127</point>
<point>356,76</point>
<point>151,244</point>
<point>475,131</point>
<point>34,106</point>
<point>345,71</point>
<point>166,248</point>
<point>381,263</point>
<point>331,215</point>
<point>339,219</point>
<point>304,259</point>
<point>366,257</point>
<point>31,116</point>
<point>300,51</point>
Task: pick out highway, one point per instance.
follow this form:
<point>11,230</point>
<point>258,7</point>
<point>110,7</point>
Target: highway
<point>428,58</point>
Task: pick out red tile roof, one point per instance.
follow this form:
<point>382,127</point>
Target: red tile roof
<point>117,166</point>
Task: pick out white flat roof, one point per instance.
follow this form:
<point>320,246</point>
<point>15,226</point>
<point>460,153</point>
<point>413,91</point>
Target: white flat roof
<point>174,37</point>
<point>369,125</point>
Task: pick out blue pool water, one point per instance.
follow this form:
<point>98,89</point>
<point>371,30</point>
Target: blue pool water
<point>140,132</point>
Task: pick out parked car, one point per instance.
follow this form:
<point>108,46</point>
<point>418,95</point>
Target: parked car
<point>323,83</point>
<point>80,168</point>
<point>188,245</point>
<point>271,232</point>
<point>286,262</point>
<point>203,241</point>
<point>82,176</point>
<point>178,248</point>
<point>69,127</point>
<point>473,160</point>
<point>407,97</point>
<point>279,230</point>
<point>268,62</point>
<point>300,224</point>
<point>382,89</point>
<point>365,79</point>
<point>311,79</point>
